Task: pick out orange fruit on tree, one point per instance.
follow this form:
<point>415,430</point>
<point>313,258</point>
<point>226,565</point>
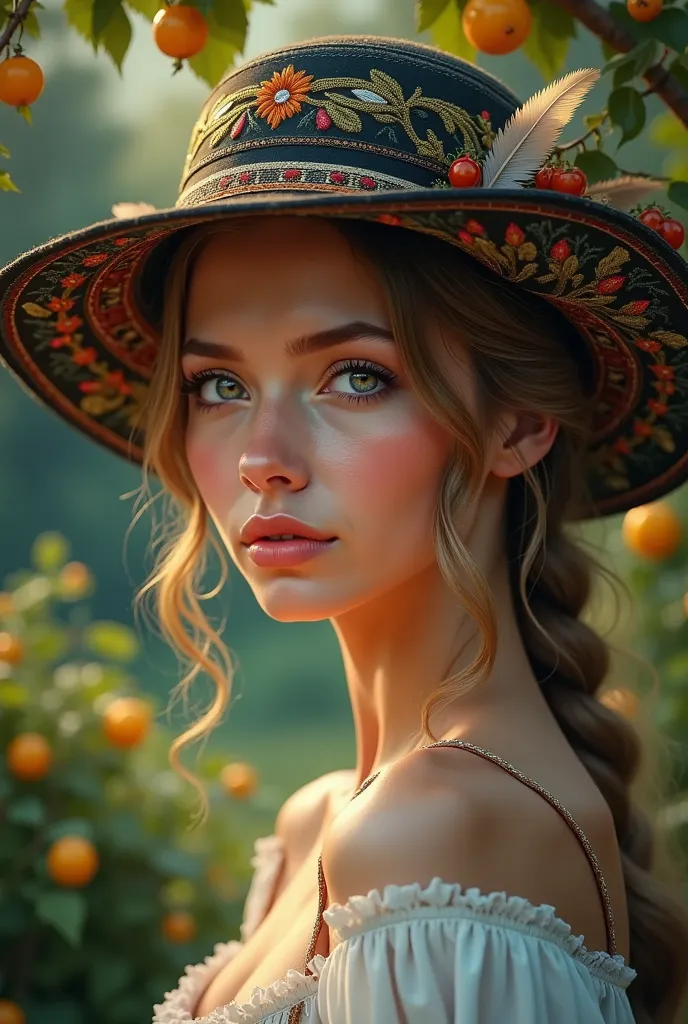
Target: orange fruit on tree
<point>10,1013</point>
<point>496,26</point>
<point>180,31</point>
<point>652,531</point>
<point>11,648</point>
<point>623,701</point>
<point>127,721</point>
<point>72,861</point>
<point>29,756</point>
<point>239,779</point>
<point>21,81</point>
<point>644,10</point>
<point>74,580</point>
<point>179,926</point>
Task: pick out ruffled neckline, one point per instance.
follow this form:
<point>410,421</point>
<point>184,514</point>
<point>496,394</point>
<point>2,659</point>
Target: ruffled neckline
<point>359,914</point>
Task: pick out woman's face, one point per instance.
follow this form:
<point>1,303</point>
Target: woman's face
<point>310,415</point>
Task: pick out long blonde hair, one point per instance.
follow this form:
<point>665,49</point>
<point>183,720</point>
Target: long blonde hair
<point>521,352</point>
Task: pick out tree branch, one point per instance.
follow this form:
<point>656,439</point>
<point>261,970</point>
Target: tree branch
<point>14,22</point>
<point>601,24</point>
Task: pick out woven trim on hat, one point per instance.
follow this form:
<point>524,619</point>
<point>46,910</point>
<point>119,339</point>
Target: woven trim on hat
<point>293,175</point>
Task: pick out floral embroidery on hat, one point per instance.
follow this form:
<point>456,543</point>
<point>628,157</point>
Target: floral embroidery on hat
<point>281,96</point>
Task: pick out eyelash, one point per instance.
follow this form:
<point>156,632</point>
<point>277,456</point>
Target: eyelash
<point>193,383</point>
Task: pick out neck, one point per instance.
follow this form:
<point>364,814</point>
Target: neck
<point>398,648</point>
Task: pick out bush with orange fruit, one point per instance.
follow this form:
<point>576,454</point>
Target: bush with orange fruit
<point>105,894</point>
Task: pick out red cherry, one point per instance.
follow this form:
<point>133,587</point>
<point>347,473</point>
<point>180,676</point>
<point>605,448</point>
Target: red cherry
<point>543,178</point>
<point>673,232</point>
<point>653,218</point>
<point>571,180</point>
<point>465,173</point>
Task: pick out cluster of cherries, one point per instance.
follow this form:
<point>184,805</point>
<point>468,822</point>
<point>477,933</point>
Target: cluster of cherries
<point>465,172</point>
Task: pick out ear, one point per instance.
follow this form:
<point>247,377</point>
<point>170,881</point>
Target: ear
<point>527,435</point>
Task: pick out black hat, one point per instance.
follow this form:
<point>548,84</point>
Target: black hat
<point>395,132</point>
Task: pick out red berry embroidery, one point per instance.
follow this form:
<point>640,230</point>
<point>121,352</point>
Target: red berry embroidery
<point>245,177</point>
<point>224,182</point>
<point>465,173</point>
<point>648,344</point>
<point>608,285</point>
<point>239,126</point>
<point>368,183</point>
<point>658,408</point>
<point>390,218</point>
<point>293,174</point>
<point>465,237</point>
<point>323,121</point>
<point>514,235</point>
<point>475,227</point>
<point>636,307</point>
<point>485,115</point>
<point>560,251</point>
<point>337,177</point>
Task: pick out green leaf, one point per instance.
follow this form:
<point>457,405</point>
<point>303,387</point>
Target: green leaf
<point>79,14</point>
<point>678,193</point>
<point>627,110</point>
<point>4,152</point>
<point>679,69</point>
<point>149,8</point>
<point>230,15</point>
<point>596,165</point>
<point>65,911</point>
<point>112,640</point>
<point>447,32</point>
<point>627,66</point>
<point>103,12</point>
<point>427,12</point>
<point>219,53</point>
<point>548,42</point>
<point>670,26</point>
<point>28,810</point>
<point>117,37</point>
<point>25,112</point>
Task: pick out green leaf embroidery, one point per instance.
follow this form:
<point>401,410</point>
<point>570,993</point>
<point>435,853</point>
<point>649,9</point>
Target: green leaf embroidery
<point>347,120</point>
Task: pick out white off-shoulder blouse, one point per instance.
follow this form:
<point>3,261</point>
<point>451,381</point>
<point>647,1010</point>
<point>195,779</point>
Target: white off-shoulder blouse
<point>414,955</point>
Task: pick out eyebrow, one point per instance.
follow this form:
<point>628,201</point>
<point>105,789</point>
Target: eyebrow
<point>305,345</point>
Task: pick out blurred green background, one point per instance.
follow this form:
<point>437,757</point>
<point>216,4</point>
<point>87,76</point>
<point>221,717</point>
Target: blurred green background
<point>98,139</point>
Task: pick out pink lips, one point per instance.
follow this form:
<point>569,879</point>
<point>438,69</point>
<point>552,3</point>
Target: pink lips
<point>287,553</point>
<point>303,542</point>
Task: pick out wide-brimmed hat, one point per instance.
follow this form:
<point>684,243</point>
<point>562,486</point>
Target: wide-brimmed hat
<point>372,129</point>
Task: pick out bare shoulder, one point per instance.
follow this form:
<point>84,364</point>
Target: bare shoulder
<point>450,814</point>
<point>300,817</point>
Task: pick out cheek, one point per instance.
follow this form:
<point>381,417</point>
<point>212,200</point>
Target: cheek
<point>215,481</point>
<point>392,479</point>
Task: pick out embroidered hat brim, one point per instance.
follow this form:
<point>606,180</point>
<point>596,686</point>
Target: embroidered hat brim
<point>81,314</point>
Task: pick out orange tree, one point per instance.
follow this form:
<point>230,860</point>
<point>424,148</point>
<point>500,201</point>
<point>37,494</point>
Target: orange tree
<point>105,892</point>
<point>643,43</point>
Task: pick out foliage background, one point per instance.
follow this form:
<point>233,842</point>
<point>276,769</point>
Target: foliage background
<point>98,139</point>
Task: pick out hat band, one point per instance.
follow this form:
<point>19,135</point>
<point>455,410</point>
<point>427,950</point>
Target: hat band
<point>266,176</point>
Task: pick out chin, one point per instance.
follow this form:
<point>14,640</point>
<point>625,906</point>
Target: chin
<point>290,599</point>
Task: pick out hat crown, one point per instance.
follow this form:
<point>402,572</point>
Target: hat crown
<point>342,114</point>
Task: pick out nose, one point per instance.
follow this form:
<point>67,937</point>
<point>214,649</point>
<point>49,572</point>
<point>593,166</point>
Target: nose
<point>273,459</point>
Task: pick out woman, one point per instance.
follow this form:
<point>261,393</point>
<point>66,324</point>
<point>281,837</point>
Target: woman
<point>389,400</point>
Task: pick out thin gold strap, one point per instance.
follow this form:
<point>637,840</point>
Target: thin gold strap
<point>295,1014</point>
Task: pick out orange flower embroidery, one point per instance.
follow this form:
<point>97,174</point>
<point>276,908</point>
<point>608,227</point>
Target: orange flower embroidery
<point>281,96</point>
